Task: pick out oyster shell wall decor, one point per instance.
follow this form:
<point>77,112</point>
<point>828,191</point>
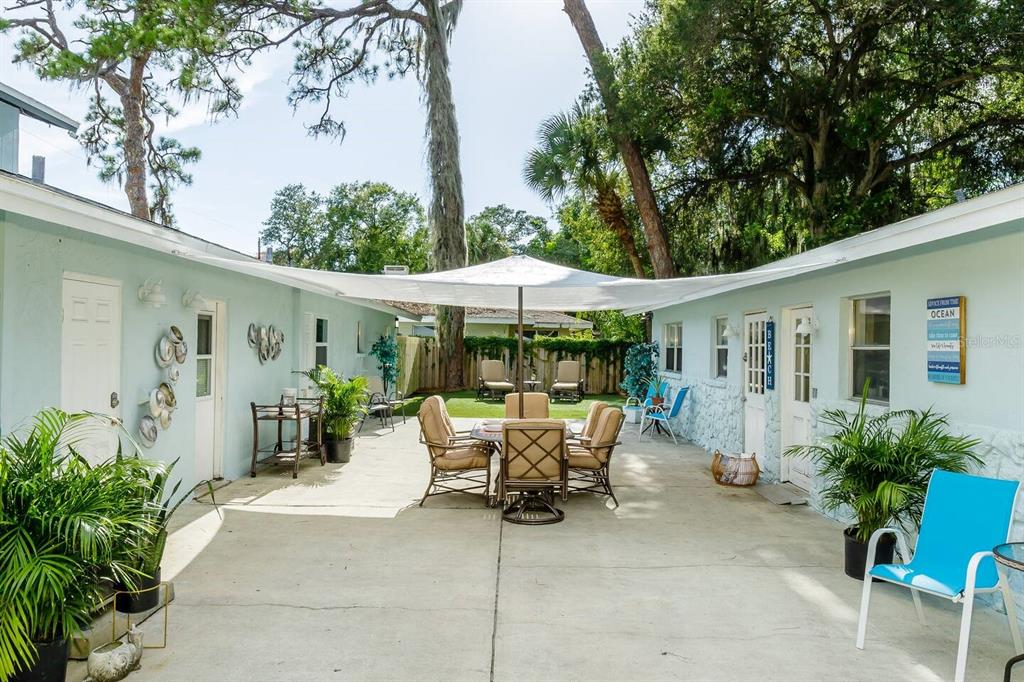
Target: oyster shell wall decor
<point>267,342</point>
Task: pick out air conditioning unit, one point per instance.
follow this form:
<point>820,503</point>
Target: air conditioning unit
<point>396,269</point>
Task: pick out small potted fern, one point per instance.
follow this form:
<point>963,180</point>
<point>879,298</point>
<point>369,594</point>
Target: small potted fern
<point>879,468</point>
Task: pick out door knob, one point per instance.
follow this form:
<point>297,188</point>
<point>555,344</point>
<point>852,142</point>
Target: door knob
<point>114,401</point>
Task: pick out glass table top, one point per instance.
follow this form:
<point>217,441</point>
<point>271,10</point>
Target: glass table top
<point>1010,554</point>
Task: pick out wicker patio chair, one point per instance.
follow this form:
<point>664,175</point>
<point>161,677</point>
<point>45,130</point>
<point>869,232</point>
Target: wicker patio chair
<point>493,379</point>
<point>590,461</point>
<point>535,406</point>
<point>533,467</point>
<point>568,382</point>
<point>456,465</point>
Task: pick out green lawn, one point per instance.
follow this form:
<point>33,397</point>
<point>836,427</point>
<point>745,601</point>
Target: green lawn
<point>465,404</point>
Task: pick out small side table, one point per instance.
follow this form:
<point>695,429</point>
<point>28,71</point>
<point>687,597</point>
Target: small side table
<point>1010,555</point>
<point>530,385</point>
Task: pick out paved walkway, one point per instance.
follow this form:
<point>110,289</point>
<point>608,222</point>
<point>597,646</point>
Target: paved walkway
<point>339,576</point>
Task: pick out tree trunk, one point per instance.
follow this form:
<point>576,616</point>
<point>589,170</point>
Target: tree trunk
<point>609,206</point>
<point>639,178</point>
<point>131,92</point>
<point>446,205</point>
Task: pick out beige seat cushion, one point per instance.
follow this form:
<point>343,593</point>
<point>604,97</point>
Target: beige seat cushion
<point>606,434</point>
<point>462,458</point>
<point>493,370</point>
<point>580,458</point>
<point>499,386</point>
<point>562,386</point>
<point>533,450</point>
<point>593,415</point>
<point>535,406</point>
<point>568,372</point>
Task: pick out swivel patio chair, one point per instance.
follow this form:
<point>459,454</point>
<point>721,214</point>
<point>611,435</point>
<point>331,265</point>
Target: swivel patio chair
<point>535,406</point>
<point>456,465</point>
<point>568,382</point>
<point>533,466</point>
<point>493,379</point>
<point>964,518</point>
<point>661,418</point>
<point>590,460</point>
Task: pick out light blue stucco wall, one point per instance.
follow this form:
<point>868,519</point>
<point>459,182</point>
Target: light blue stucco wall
<point>987,268</point>
<point>34,255</point>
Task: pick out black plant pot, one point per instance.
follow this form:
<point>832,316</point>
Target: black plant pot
<point>339,451</point>
<point>51,664</point>
<point>857,553</point>
<point>147,597</point>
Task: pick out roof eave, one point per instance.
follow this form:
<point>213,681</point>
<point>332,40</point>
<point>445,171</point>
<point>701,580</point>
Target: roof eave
<point>33,108</point>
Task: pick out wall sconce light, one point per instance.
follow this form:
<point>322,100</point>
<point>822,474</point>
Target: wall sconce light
<point>152,292</point>
<point>195,300</point>
<point>808,326</point>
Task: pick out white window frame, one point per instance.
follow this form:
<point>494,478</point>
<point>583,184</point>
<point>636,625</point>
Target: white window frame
<point>717,344</point>
<point>672,332</point>
<point>325,344</point>
<point>853,391</point>
<point>360,347</point>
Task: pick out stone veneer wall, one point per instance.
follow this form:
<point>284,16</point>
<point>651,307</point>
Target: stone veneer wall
<point>712,417</point>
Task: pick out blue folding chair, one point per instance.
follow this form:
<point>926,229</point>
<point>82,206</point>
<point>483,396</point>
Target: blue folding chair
<point>658,417</point>
<point>964,518</point>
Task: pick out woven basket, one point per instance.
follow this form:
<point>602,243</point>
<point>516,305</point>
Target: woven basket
<point>735,470</point>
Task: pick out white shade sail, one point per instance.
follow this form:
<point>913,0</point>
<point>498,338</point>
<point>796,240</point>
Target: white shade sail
<point>545,286</point>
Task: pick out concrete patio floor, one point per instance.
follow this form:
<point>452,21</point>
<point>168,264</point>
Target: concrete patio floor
<point>340,576</point>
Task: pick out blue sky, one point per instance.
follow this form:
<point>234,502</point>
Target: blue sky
<point>514,62</point>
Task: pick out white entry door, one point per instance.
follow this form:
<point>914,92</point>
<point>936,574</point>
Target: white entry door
<point>209,393</point>
<point>796,396</point>
<point>753,382</point>
<point>90,369</point>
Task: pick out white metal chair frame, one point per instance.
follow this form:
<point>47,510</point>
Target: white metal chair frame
<point>966,597</point>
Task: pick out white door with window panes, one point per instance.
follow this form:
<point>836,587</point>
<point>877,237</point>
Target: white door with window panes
<point>796,395</point>
<point>207,394</point>
<point>754,382</point>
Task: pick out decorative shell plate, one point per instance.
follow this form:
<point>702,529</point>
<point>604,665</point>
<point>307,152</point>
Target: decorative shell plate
<point>148,430</point>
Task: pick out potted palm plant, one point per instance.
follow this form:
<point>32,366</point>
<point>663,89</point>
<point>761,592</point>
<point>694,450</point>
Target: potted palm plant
<point>656,384</point>
<point>879,468</point>
<point>344,406</point>
<point>68,530</point>
<point>149,479</point>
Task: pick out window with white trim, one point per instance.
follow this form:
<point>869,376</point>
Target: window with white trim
<point>672,344</point>
<point>869,346</point>
<point>720,361</point>
<point>359,337</point>
<point>320,343</point>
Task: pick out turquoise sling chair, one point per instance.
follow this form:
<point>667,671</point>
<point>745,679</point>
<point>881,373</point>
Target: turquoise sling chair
<point>657,414</point>
<point>964,518</point>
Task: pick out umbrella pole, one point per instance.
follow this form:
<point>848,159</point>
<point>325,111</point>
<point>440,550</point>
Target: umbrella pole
<point>519,372</point>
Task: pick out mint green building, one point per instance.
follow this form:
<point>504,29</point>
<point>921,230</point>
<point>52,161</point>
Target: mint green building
<point>87,293</point>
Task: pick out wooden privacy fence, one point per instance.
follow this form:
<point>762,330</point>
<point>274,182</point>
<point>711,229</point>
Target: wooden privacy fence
<point>422,366</point>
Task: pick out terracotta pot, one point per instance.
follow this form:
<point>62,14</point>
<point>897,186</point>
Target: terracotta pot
<point>657,400</point>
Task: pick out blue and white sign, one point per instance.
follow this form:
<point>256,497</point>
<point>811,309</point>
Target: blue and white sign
<point>947,326</point>
<point>769,355</point>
